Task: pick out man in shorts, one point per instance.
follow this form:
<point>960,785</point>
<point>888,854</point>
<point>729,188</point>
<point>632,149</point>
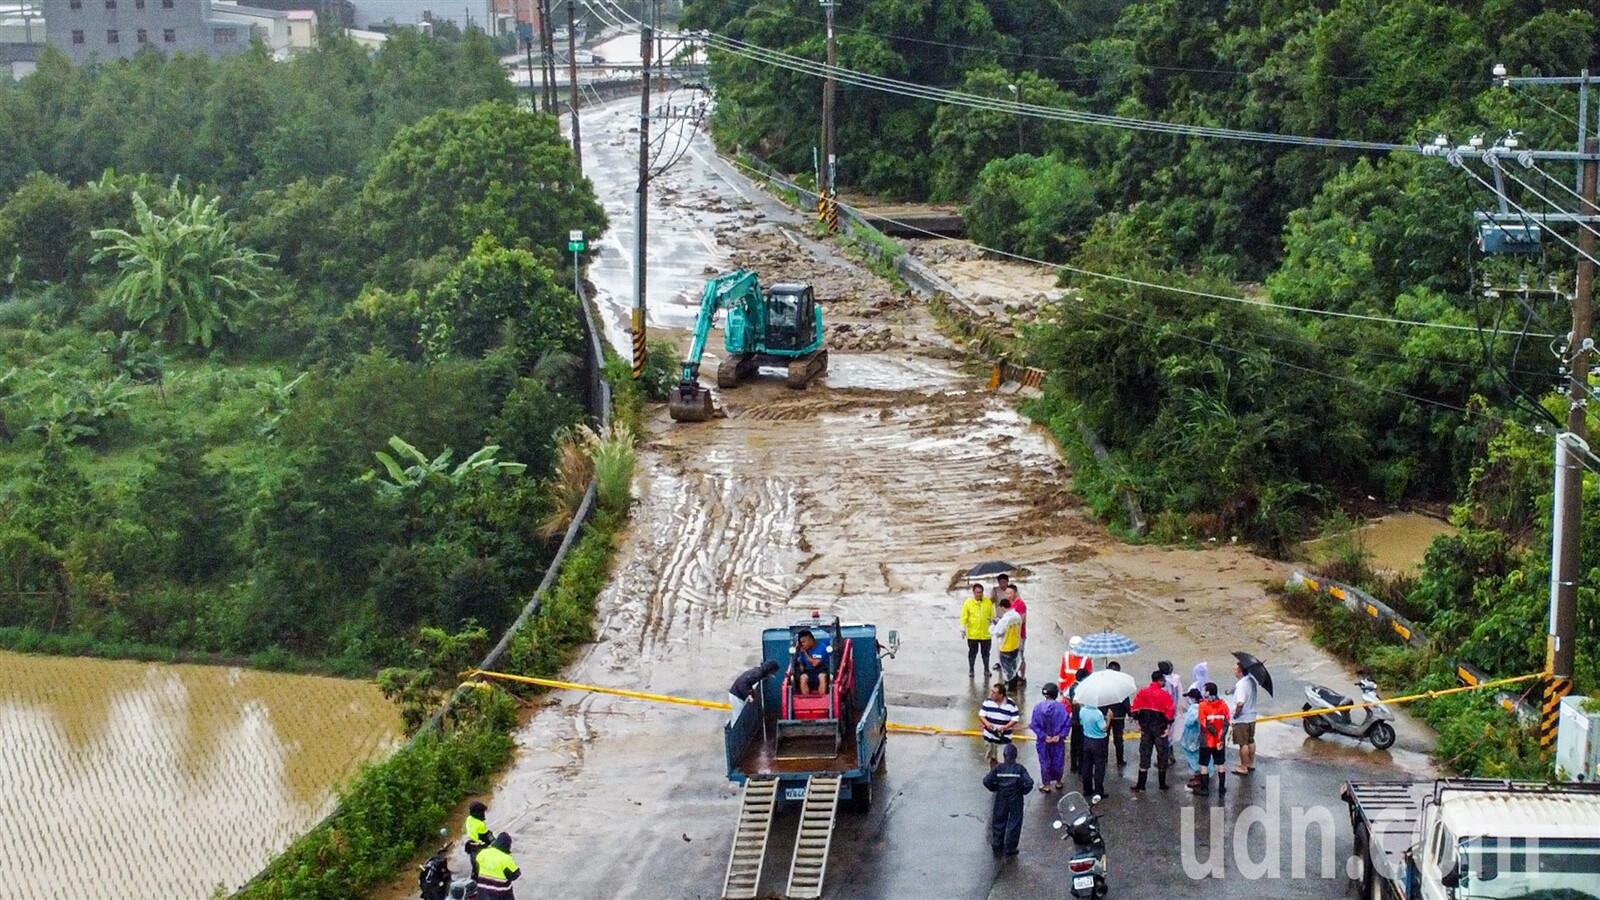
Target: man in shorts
<point>1244,719</point>
<point>1213,743</point>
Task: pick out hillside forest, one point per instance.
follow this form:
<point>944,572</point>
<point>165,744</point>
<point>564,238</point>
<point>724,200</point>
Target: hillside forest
<point>286,351</point>
<point>1292,330</point>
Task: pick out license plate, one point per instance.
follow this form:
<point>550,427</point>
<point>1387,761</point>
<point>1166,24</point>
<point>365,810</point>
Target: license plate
<point>794,793</point>
<point>1083,883</point>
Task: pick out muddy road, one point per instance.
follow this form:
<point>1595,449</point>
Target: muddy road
<point>867,496</point>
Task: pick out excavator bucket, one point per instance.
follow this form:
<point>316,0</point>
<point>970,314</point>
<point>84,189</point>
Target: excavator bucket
<point>689,402</point>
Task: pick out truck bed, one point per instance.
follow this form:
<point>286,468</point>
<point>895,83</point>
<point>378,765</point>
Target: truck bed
<point>800,756</point>
<point>1390,811</point>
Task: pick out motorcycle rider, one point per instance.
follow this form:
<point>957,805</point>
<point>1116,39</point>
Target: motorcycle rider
<point>496,870</point>
<point>477,834</point>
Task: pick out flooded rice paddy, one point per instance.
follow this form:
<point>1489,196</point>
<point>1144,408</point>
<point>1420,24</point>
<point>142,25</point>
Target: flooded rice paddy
<point>169,780</point>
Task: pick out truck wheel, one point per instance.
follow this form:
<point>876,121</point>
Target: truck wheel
<point>1382,735</point>
<point>861,797</point>
<point>1358,877</point>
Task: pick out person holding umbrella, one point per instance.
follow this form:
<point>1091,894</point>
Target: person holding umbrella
<point>1250,673</point>
<point>1093,693</point>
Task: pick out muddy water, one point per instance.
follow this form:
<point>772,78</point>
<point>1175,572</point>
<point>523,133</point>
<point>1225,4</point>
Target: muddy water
<point>173,780</point>
<point>1395,543</point>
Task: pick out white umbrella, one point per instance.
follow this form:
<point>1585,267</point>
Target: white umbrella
<point>1104,688</point>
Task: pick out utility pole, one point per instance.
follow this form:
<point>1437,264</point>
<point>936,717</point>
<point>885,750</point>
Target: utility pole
<point>1568,522</point>
<point>533,98</point>
<point>1567,508</point>
<point>641,205</point>
<point>547,43</point>
<point>572,80</point>
<point>827,203</point>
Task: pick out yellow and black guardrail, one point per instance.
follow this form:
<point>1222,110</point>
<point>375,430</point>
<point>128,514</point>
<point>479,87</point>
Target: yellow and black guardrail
<point>937,730</point>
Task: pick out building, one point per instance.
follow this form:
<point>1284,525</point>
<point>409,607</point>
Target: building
<point>520,17</point>
<point>103,30</point>
<point>338,13</point>
<point>282,31</point>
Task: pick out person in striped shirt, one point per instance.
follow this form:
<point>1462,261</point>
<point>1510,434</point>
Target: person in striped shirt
<point>999,717</point>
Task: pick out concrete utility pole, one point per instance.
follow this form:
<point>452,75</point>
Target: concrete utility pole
<point>641,205</point>
<point>572,80</point>
<point>1567,512</point>
<point>547,44</point>
<point>827,202</point>
<point>1569,470</point>
<point>533,99</point>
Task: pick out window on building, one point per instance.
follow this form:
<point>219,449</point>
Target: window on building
<point>144,36</point>
<point>77,35</point>
<point>166,4</point>
<point>111,4</point>
<point>169,36</point>
<point>75,4</point>
<point>112,37</point>
<point>224,35</point>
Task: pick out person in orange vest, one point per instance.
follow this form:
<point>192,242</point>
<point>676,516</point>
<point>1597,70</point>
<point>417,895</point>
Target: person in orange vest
<point>1213,743</point>
<point>1071,663</point>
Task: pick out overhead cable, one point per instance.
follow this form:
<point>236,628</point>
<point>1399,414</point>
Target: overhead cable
<point>912,90</point>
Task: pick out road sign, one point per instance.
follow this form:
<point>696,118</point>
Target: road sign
<point>575,242</point>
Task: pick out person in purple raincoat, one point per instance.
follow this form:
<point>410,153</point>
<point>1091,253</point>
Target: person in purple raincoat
<point>1051,723</point>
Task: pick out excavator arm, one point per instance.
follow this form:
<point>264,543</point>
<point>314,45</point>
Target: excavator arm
<point>721,292</point>
<point>689,402</point>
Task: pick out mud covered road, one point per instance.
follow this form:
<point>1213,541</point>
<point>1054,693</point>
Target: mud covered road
<point>867,496</point>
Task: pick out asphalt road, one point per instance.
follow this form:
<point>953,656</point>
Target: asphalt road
<point>868,495</point>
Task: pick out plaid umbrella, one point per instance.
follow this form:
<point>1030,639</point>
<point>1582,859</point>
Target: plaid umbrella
<point>1107,643</point>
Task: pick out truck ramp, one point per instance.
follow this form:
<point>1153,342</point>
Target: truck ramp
<point>816,835</point>
<point>750,840</point>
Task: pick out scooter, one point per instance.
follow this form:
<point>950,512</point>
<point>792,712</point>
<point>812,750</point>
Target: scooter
<point>1087,867</point>
<point>1376,724</point>
<point>436,882</point>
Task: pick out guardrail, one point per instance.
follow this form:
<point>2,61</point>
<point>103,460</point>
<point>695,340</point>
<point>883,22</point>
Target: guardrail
<point>1384,616</point>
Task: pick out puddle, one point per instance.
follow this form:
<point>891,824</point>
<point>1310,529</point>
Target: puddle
<point>176,779</point>
<point>1396,543</point>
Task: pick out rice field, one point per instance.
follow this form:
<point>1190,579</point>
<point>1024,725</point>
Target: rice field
<point>139,780</point>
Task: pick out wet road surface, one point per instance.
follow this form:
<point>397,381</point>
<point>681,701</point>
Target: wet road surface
<point>867,496</point>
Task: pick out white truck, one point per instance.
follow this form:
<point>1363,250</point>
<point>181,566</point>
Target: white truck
<point>1475,839</point>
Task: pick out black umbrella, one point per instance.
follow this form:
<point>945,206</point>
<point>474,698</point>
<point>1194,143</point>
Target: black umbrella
<point>1255,669</point>
<point>993,567</point>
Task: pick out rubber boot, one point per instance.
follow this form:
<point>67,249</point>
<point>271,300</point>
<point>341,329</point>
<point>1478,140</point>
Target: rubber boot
<point>1143,775</point>
<point>1203,785</point>
<point>1222,783</point>
<point>1161,778</point>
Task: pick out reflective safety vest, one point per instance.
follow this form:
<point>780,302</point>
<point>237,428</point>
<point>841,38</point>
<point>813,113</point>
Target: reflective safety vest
<point>477,831</point>
<point>1070,664</point>
<point>495,867</point>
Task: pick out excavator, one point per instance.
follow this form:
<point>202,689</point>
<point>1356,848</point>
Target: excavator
<point>779,327</point>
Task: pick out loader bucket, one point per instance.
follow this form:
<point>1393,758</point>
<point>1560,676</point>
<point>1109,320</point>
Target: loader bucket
<point>689,402</point>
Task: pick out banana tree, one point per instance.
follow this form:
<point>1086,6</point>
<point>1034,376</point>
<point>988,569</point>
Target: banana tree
<point>423,471</point>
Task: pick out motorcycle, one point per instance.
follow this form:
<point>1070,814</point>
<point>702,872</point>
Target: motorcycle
<point>1087,867</point>
<point>1375,724</point>
<point>436,882</point>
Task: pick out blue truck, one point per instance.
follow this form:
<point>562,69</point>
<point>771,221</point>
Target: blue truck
<point>813,733</point>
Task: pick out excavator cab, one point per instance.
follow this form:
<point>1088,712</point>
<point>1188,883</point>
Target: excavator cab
<point>790,314</point>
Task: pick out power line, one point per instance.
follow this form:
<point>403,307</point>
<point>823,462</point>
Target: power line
<point>1455,159</point>
<point>778,59</point>
<point>776,14</point>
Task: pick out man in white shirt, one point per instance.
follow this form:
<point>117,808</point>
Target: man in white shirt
<point>1244,719</point>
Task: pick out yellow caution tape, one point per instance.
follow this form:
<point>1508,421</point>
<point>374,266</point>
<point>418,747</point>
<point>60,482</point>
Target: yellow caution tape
<point>938,731</point>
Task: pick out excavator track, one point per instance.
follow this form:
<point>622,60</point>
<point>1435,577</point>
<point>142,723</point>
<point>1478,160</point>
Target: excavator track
<point>803,371</point>
<point>735,370</point>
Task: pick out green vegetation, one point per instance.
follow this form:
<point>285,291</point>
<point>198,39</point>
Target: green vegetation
<point>267,390</point>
